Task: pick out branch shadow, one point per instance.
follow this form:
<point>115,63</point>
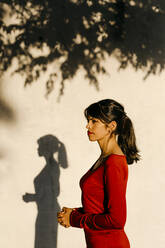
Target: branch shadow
<point>6,112</point>
<point>7,116</point>
<point>47,190</point>
<point>74,34</point>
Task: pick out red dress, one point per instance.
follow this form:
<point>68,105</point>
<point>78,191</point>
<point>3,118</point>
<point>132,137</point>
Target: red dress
<point>103,214</point>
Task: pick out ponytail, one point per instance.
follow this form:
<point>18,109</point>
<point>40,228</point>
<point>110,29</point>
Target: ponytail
<point>127,140</point>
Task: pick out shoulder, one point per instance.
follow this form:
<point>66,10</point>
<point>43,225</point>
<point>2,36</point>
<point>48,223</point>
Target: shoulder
<point>115,160</point>
<point>116,163</point>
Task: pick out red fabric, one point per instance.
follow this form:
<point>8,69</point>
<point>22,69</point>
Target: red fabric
<point>103,214</point>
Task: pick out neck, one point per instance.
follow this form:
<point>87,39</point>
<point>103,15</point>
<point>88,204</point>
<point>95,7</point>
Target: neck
<point>49,159</point>
<point>108,145</point>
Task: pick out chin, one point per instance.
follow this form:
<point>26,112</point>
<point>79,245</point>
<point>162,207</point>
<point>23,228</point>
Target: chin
<point>92,140</point>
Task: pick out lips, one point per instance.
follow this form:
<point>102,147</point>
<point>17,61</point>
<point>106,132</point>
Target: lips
<point>89,133</point>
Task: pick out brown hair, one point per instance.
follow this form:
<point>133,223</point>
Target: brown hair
<point>109,110</point>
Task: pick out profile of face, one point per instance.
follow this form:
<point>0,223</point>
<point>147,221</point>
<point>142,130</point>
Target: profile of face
<point>42,149</point>
<point>97,130</point>
<point>47,145</point>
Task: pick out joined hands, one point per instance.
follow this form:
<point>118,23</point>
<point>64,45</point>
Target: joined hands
<point>64,216</point>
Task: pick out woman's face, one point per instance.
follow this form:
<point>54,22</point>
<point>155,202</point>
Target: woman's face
<point>97,130</point>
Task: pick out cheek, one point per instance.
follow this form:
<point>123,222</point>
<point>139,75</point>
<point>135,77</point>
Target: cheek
<point>102,131</point>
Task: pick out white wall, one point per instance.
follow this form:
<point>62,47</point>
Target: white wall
<point>37,116</point>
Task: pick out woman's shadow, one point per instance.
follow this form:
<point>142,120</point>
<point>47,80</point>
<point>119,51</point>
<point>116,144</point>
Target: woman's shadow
<point>47,189</point>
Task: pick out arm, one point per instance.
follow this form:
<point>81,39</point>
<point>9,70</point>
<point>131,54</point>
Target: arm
<point>29,197</point>
<point>115,215</point>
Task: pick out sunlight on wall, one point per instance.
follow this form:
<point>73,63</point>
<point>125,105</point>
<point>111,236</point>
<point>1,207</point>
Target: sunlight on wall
<point>37,116</point>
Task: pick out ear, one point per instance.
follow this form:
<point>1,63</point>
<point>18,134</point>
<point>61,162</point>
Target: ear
<point>112,126</point>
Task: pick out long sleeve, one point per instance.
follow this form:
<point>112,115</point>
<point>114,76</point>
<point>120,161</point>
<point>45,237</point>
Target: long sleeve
<point>114,217</point>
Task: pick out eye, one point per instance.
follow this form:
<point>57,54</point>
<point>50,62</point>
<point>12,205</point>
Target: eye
<point>94,120</point>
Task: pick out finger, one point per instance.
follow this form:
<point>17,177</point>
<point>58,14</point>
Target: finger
<point>59,220</point>
<point>67,226</point>
<point>64,209</point>
<point>60,214</point>
<point>64,225</point>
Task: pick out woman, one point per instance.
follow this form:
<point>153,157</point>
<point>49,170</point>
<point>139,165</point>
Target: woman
<point>103,214</point>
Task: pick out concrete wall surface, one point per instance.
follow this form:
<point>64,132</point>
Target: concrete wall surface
<point>34,117</point>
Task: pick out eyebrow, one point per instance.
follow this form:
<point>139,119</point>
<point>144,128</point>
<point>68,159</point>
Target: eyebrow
<point>91,118</point>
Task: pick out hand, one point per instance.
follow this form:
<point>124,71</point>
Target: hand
<point>27,197</point>
<point>64,216</point>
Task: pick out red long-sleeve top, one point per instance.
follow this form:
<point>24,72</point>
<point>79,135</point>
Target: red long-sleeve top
<point>103,199</point>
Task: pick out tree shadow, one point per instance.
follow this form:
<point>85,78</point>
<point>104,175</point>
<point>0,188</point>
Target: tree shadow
<point>6,112</point>
<point>74,34</point>
<point>47,189</point>
<point>7,116</point>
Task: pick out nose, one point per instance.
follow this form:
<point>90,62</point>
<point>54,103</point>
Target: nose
<point>88,126</point>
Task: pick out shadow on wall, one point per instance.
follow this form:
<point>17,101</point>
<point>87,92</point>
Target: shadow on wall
<point>6,112</point>
<point>47,189</point>
<point>78,34</point>
<point>7,116</point>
